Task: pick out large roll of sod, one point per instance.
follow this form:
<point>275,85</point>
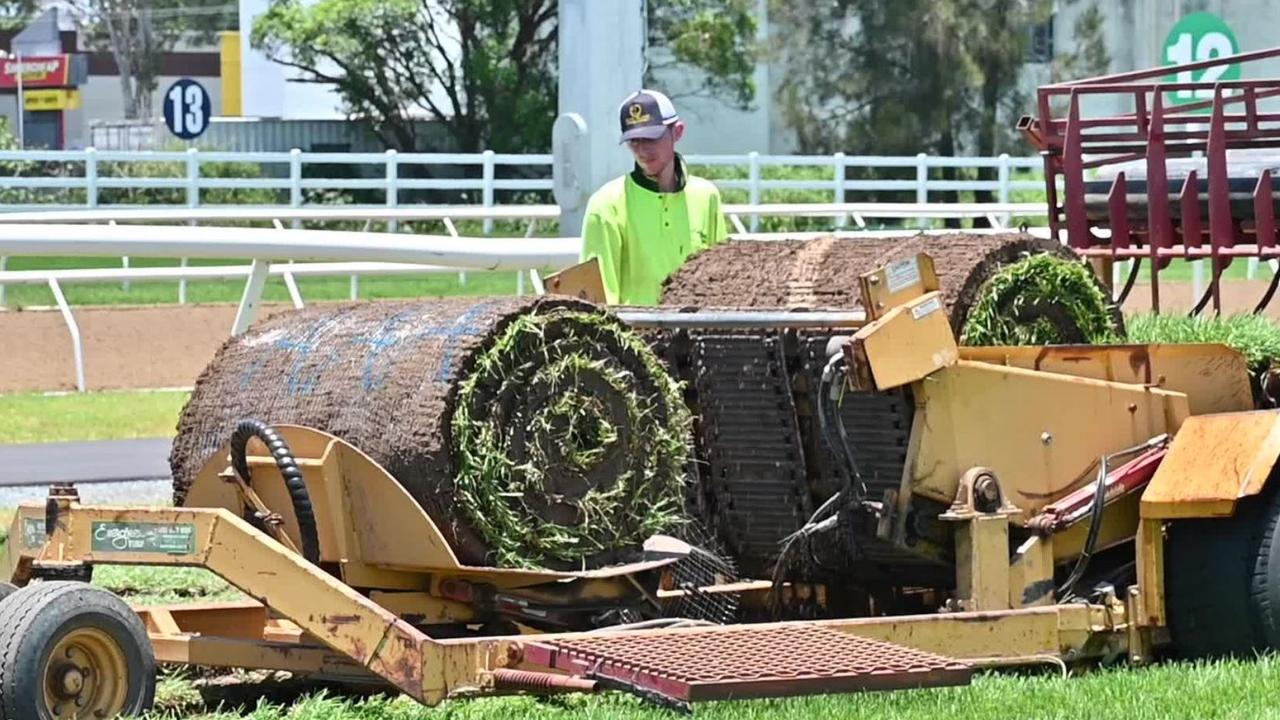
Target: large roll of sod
<point>1000,288</point>
<point>535,433</point>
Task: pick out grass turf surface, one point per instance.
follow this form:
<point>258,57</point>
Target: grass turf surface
<point>35,417</point>
<point>1238,689</point>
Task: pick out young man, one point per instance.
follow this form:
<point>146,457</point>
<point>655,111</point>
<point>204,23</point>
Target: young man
<point>642,226</point>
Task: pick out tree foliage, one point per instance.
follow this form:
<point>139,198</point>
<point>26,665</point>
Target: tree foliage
<point>138,33</point>
<point>485,70</point>
<point>908,76</point>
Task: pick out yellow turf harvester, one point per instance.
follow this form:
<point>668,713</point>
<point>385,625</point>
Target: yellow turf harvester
<point>973,507</point>
<point>1055,470</point>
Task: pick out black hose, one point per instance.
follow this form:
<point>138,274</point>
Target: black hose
<point>293,481</point>
<point>1096,512</point>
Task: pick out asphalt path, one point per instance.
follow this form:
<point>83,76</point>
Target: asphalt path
<point>106,471</point>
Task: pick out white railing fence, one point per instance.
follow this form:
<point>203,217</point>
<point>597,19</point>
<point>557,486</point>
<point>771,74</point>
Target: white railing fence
<point>312,253</point>
<point>58,179</point>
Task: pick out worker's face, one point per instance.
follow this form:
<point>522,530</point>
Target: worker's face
<point>654,156</point>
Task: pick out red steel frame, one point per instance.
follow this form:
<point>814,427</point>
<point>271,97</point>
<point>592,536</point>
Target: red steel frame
<point>1073,144</point>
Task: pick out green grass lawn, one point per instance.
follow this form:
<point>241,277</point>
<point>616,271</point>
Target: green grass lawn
<point>1238,690</point>
<point>34,417</point>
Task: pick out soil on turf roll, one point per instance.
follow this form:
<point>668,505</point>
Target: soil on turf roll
<point>822,274</point>
<point>534,432</point>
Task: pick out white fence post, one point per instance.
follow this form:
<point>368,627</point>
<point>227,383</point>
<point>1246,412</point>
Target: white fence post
<point>922,184</point>
<point>753,192</point>
<point>393,186</point>
<point>77,350</point>
<point>838,160</point>
<point>295,182</point>
<point>193,201</point>
<point>487,191</point>
<point>1003,178</point>
<point>91,177</point>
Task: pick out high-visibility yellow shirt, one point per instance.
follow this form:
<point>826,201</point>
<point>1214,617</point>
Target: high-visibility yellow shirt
<point>640,235</point>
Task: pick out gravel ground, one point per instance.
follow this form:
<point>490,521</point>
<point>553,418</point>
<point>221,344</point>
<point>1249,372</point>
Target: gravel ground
<point>133,492</point>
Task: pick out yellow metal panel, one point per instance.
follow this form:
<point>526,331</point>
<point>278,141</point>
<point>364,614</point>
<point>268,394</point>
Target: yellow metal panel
<point>1030,632</point>
<point>982,562</point>
<point>907,344</point>
<point>232,74</point>
<point>1214,377</point>
<point>896,284</point>
<point>1039,432</point>
<point>1119,524</point>
<point>388,526</point>
<point>1150,567</point>
<point>1031,573</point>
<point>1214,461</point>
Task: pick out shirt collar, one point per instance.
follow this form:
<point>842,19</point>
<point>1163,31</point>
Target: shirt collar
<point>643,180</point>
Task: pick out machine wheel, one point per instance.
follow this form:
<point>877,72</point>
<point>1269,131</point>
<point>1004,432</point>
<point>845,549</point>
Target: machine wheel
<point>70,650</point>
<point>7,589</point>
<point>1222,580</point>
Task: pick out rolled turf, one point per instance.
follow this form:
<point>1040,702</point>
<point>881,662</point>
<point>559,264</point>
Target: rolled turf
<point>534,432</point>
<point>1000,288</point>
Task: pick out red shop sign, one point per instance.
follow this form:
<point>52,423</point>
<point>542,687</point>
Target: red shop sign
<point>41,71</point>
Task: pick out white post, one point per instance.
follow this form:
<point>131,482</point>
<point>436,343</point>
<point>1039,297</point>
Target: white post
<point>393,187</point>
<point>77,352</point>
<point>838,160</point>
<point>91,177</point>
<point>22,108</point>
<point>1004,186</point>
<point>487,191</point>
<point>753,185</point>
<point>922,184</point>
<point>252,296</point>
<point>601,45</point>
<point>295,183</point>
<point>193,201</point>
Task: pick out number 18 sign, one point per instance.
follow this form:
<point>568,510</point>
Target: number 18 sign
<point>187,109</point>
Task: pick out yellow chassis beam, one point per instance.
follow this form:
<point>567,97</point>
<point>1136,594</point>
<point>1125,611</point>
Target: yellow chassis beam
<point>318,624</point>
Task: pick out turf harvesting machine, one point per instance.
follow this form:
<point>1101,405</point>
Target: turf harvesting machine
<point>810,470</point>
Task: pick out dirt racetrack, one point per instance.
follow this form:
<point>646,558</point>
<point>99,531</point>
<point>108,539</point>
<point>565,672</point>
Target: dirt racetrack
<point>168,346</point>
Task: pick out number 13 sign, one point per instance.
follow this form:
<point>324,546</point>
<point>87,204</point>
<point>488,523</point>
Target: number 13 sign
<point>187,109</point>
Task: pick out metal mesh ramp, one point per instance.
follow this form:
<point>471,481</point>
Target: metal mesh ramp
<point>769,661</point>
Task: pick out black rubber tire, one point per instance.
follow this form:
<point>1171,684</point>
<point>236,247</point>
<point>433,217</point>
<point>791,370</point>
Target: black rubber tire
<point>1209,572</point>
<point>1264,588</point>
<point>7,589</point>
<point>33,620</point>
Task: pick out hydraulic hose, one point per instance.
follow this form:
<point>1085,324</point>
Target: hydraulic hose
<point>1096,511</point>
<point>293,481</point>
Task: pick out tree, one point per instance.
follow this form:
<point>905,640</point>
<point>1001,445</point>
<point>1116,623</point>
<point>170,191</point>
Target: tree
<point>906,76</point>
<point>15,14</point>
<point>138,33</point>
<point>485,70</point>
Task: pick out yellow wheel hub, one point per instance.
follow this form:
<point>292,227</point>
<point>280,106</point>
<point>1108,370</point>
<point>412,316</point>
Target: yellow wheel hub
<point>86,676</point>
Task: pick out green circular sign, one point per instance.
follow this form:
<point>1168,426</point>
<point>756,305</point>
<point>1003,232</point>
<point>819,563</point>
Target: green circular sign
<point>1199,36</point>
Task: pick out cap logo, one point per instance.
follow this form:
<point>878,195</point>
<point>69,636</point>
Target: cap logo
<point>637,115</point>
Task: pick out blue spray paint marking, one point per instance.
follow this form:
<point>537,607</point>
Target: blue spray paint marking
<point>390,334</point>
<point>298,382</point>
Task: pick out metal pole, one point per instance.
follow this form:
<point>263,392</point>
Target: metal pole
<point>741,319</point>
<point>22,108</point>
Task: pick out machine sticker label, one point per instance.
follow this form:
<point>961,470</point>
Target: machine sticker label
<point>33,532</point>
<point>926,308</point>
<point>164,538</point>
<point>902,274</point>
